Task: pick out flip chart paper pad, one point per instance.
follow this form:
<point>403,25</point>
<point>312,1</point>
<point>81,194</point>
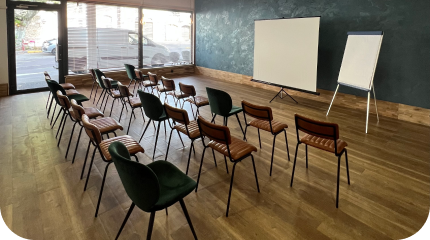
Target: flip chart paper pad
<point>359,60</point>
<point>286,52</point>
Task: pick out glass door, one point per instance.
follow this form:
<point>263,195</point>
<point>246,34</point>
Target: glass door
<point>35,47</point>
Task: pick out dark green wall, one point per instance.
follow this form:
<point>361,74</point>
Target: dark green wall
<point>225,40</point>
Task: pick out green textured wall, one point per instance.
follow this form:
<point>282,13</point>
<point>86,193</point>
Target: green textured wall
<point>225,40</point>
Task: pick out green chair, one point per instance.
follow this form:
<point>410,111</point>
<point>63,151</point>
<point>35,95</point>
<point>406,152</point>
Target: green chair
<point>54,87</point>
<point>99,77</point>
<point>132,76</point>
<point>221,104</point>
<point>151,187</point>
<point>155,111</point>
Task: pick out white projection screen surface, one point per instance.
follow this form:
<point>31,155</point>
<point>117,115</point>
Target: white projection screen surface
<point>286,52</point>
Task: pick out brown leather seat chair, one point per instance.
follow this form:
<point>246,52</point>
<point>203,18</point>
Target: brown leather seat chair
<point>198,101</point>
<point>184,125</point>
<point>221,141</point>
<point>134,103</point>
<point>168,88</point>
<point>263,119</point>
<point>322,135</point>
<point>68,87</point>
<point>94,133</point>
<point>151,83</point>
<point>114,94</point>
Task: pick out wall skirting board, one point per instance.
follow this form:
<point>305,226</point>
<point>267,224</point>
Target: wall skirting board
<point>4,89</point>
<point>86,80</point>
<point>388,109</point>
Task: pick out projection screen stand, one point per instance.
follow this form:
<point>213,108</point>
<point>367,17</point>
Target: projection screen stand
<point>281,96</point>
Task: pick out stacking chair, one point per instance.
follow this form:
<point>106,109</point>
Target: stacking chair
<point>134,103</point>
<point>151,187</point>
<point>54,87</point>
<point>148,83</point>
<point>106,125</point>
<point>155,111</point>
<point>198,101</point>
<point>132,76</point>
<point>68,87</point>
<point>233,148</point>
<point>264,121</point>
<point>221,104</point>
<point>154,80</point>
<point>324,136</point>
<point>114,94</point>
<point>95,136</point>
<point>184,125</point>
<point>99,77</point>
<point>95,83</point>
<point>168,88</point>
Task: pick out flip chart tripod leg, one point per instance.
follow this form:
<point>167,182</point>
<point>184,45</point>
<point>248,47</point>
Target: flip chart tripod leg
<point>332,99</point>
<point>367,116</point>
<point>374,97</point>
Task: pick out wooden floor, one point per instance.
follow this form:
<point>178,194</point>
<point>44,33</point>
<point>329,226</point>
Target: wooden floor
<point>42,196</point>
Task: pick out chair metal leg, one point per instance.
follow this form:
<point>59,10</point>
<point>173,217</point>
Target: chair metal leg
<point>213,119</point>
<point>101,189</point>
<point>120,115</point>
<point>259,140</point>
<point>180,138</point>
<point>231,187</point>
<point>131,117</point>
<point>70,140</point>
<point>89,169</point>
<point>213,154</point>
<point>286,142</point>
<point>294,165</point>
<point>53,113</point>
<point>61,122</point>
<point>85,161</point>
<point>150,226</point>
<point>273,153</point>
<point>49,109</point>
<point>188,217</point>
<point>306,146</point>
<point>200,169</point>
<point>168,145</point>
<point>244,135</point>
<point>143,116</point>
<point>111,108</point>
<point>255,173</point>
<point>165,131</point>
<point>125,220</point>
<point>156,140</point>
<point>95,94</point>
<point>77,144</point>
<point>62,128</point>
<point>107,100</point>
<point>338,176</point>
<point>347,168</point>
<point>47,100</point>
<point>92,89</point>
<point>150,120</point>
<point>226,166</point>
<point>240,124</point>
<point>189,156</point>
<point>101,94</point>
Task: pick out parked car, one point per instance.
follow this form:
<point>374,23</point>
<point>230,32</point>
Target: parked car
<point>50,46</point>
<point>111,48</point>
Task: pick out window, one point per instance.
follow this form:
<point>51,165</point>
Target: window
<point>169,45</point>
<point>101,36</point>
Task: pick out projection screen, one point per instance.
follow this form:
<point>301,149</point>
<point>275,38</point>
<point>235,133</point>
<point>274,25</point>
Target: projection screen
<point>286,52</point>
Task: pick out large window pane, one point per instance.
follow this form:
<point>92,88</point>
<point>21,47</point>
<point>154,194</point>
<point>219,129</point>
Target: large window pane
<point>166,37</point>
<point>101,36</point>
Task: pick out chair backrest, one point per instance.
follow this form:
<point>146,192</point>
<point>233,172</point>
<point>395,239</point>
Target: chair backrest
<point>177,114</point>
<point>219,101</point>
<point>63,100</point>
<point>54,87</point>
<point>130,71</point>
<point>256,111</point>
<point>187,89</point>
<point>123,90</point>
<point>168,83</point>
<point>91,129</point>
<point>153,77</point>
<point>93,75</point>
<point>47,76</point>
<point>138,74</point>
<point>217,133</point>
<point>77,109</point>
<point>107,83</point>
<point>151,105</point>
<point>316,128</point>
<point>140,182</point>
<point>99,74</point>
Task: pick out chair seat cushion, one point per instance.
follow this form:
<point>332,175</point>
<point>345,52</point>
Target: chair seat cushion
<point>71,92</point>
<point>193,129</point>
<point>67,86</point>
<point>116,94</point>
<point>178,94</point>
<point>174,184</point>
<point>162,88</point>
<point>235,110</point>
<point>148,83</point>
<point>91,112</point>
<point>135,102</point>
<point>79,98</point>
<point>106,125</point>
<point>265,125</point>
<point>199,101</point>
<point>133,146</point>
<point>238,148</point>
<point>323,143</point>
